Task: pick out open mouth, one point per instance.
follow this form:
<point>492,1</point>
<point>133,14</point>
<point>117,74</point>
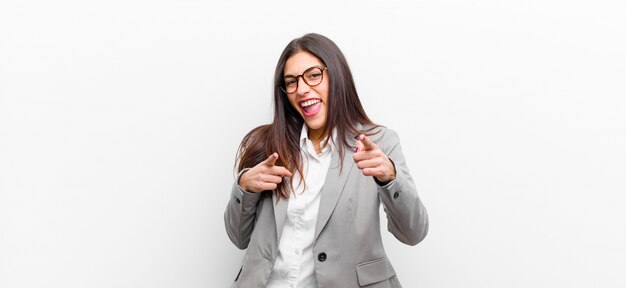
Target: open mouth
<point>310,107</point>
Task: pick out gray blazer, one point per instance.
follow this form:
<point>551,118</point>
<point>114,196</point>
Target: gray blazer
<point>348,247</point>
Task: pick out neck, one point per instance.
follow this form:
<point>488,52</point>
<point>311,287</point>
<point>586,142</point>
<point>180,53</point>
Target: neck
<point>316,136</point>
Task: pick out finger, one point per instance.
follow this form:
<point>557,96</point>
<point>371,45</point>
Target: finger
<point>270,161</point>
<point>268,186</point>
<point>272,179</point>
<point>365,155</point>
<point>280,171</point>
<point>369,163</point>
<point>376,171</point>
<point>367,143</point>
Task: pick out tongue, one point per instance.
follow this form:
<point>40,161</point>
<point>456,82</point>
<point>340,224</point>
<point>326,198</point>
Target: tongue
<point>311,109</point>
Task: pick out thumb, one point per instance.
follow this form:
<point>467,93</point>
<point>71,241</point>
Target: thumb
<point>270,161</point>
<point>367,143</point>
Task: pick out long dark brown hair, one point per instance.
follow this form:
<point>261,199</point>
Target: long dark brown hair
<point>283,134</point>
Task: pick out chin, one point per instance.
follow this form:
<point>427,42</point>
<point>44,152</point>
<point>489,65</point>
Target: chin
<point>315,124</point>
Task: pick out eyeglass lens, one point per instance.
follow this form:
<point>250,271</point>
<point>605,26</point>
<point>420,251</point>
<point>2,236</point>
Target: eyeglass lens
<point>312,77</point>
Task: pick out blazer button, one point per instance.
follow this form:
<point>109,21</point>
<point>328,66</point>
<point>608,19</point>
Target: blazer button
<point>321,257</point>
<point>395,195</point>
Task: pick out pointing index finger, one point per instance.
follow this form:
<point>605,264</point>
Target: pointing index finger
<point>368,144</point>
<point>271,161</point>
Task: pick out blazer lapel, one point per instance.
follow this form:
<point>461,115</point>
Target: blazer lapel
<point>333,186</point>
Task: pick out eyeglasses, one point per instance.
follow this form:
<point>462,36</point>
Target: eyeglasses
<point>312,77</point>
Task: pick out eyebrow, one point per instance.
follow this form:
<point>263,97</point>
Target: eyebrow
<point>290,75</point>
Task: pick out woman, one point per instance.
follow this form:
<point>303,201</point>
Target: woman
<point>306,200</point>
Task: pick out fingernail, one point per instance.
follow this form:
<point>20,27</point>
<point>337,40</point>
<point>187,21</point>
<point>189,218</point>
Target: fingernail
<point>356,149</point>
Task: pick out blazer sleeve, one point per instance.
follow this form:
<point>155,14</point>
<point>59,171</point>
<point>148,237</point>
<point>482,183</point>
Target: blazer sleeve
<point>407,218</point>
<point>240,214</point>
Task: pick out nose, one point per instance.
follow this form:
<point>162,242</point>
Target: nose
<point>303,88</point>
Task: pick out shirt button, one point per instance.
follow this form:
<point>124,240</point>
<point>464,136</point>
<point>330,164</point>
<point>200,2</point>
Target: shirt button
<point>321,257</point>
<point>296,251</point>
<point>395,195</point>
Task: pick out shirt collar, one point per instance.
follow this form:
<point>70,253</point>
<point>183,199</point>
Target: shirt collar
<point>304,136</point>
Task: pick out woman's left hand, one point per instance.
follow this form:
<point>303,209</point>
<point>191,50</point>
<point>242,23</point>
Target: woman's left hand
<point>372,161</point>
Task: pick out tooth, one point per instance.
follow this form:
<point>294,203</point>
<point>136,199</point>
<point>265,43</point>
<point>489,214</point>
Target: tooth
<point>310,102</point>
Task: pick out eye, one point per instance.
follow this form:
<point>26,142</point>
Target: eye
<point>315,75</point>
<point>289,82</point>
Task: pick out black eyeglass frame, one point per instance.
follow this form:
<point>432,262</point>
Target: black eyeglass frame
<point>281,84</point>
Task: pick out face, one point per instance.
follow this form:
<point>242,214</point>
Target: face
<point>310,101</point>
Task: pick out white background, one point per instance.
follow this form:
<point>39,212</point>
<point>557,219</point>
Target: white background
<point>119,122</point>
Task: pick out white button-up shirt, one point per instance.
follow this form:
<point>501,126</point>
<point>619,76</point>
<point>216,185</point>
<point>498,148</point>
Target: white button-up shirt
<point>295,263</point>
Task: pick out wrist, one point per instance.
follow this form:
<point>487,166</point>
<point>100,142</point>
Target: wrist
<point>384,181</point>
<point>240,177</point>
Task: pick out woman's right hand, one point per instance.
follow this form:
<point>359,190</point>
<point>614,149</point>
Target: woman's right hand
<point>264,176</point>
